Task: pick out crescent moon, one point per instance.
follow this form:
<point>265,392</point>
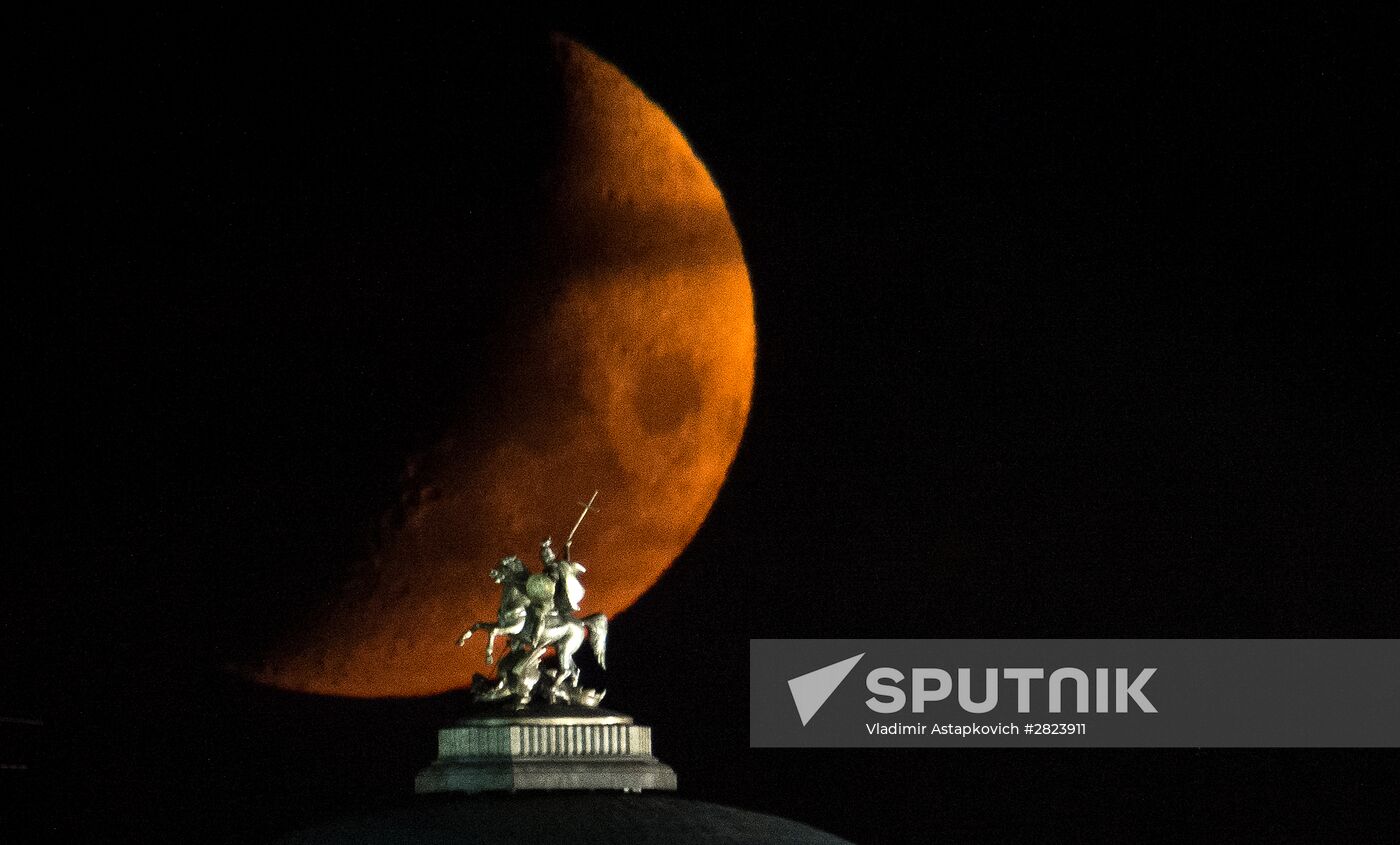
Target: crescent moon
<point>628,369</point>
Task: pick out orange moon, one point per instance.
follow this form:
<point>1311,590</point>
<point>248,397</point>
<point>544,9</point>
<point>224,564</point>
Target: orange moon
<point>628,368</point>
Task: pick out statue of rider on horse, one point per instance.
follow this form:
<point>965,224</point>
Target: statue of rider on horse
<point>538,619</point>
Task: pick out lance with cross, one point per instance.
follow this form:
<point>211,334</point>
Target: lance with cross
<point>586,508</point>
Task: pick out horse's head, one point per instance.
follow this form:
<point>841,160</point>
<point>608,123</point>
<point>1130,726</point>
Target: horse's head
<point>509,569</point>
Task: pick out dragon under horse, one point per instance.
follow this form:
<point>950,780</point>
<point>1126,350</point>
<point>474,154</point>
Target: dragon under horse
<point>538,617</point>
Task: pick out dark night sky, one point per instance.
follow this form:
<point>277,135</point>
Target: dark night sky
<point>1067,326</point>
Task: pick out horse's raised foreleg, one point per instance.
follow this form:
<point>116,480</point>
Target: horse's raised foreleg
<point>503,629</point>
<point>467,634</point>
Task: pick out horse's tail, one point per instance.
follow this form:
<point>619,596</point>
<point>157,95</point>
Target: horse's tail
<point>598,637</point>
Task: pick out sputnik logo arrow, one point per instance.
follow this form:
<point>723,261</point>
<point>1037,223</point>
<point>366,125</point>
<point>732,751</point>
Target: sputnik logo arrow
<point>810,691</point>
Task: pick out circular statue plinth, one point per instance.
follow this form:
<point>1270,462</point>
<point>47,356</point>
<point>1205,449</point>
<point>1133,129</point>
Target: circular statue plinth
<point>545,747</point>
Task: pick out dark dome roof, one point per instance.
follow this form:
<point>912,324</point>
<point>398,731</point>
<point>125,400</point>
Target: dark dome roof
<point>524,817</point>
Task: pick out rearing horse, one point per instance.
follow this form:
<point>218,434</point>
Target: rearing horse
<point>510,620</point>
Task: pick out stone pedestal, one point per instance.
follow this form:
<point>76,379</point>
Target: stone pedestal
<point>552,747</point>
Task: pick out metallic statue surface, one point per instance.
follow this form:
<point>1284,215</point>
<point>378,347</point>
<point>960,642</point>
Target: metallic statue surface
<point>538,727</point>
<point>538,618</point>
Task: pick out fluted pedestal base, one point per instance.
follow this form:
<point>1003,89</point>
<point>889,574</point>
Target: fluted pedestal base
<point>555,747</point>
